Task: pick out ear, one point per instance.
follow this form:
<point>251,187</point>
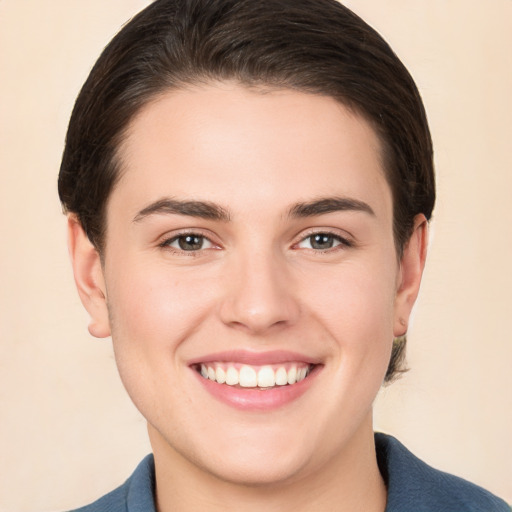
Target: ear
<point>89,278</point>
<point>409,277</point>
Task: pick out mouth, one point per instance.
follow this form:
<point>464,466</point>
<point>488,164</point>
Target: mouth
<point>263,377</point>
<point>257,382</point>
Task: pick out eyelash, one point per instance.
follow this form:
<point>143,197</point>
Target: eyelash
<point>343,243</point>
<point>166,244</point>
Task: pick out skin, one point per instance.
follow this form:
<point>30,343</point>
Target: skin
<point>257,284</point>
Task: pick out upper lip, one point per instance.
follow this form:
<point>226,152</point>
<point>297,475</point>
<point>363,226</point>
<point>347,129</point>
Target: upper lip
<point>255,358</point>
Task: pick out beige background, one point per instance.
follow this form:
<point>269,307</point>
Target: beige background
<point>67,431</point>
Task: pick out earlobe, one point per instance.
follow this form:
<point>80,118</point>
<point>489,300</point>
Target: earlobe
<point>411,269</point>
<point>89,278</point>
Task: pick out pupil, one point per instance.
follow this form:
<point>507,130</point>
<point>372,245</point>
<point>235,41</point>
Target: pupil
<point>322,241</point>
<point>190,242</point>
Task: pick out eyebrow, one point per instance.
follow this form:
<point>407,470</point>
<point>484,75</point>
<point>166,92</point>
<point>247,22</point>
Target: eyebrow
<point>212,211</point>
<point>200,209</point>
<point>329,205</point>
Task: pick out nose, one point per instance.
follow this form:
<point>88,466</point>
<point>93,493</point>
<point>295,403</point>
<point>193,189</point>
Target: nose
<point>260,295</point>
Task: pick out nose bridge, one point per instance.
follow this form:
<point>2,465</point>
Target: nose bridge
<point>259,293</point>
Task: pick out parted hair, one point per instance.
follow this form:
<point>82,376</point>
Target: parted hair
<point>313,46</point>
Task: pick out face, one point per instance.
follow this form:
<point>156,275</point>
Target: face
<point>250,279</point>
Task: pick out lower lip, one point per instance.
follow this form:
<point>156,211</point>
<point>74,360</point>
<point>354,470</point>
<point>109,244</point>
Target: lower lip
<point>257,399</point>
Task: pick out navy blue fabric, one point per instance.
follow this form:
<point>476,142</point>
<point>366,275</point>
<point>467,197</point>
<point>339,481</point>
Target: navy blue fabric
<point>413,486</point>
<point>135,495</point>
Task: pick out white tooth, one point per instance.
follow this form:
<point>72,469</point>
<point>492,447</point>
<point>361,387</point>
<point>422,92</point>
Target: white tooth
<point>281,377</point>
<point>220,375</point>
<point>232,376</point>
<point>204,371</point>
<point>248,378</point>
<point>301,374</point>
<point>266,377</point>
<point>292,375</point>
<point>211,373</point>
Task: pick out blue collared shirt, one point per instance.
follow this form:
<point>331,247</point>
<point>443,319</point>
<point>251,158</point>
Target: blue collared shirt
<point>412,485</point>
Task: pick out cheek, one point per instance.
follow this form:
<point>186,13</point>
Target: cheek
<point>153,303</point>
<point>354,301</point>
<point>152,313</point>
<point>355,306</point>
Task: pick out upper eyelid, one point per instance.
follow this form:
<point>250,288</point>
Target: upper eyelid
<point>342,241</point>
<point>167,237</point>
<point>338,233</point>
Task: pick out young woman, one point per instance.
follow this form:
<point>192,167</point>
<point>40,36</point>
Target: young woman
<point>248,186</point>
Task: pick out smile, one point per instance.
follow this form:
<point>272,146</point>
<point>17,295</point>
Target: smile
<point>257,382</point>
<point>248,376</point>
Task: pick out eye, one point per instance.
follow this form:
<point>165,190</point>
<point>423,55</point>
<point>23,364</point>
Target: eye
<point>322,242</point>
<point>189,242</point>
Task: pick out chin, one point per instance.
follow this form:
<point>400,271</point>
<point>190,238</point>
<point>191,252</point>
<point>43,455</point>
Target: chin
<point>247,455</point>
<point>262,470</point>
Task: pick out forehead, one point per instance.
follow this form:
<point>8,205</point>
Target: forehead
<point>247,148</point>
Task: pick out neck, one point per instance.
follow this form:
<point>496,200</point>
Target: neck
<point>348,482</point>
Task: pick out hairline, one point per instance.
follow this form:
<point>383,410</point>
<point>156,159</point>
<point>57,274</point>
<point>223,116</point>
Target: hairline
<point>257,86</point>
